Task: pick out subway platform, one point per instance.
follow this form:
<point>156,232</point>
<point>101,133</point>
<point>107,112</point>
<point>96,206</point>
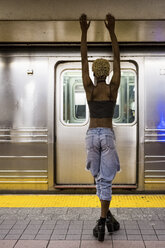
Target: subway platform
<point>66,221</point>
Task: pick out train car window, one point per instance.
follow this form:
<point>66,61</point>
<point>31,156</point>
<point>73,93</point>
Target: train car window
<point>126,100</point>
<point>74,98</point>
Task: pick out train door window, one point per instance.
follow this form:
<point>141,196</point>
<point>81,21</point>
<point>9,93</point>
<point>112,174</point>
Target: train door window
<point>74,98</point>
<point>125,110</point>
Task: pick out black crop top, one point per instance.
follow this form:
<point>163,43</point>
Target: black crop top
<point>101,109</point>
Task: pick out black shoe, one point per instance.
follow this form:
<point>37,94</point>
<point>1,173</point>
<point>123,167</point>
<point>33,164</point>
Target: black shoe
<point>111,223</point>
<point>99,230</point>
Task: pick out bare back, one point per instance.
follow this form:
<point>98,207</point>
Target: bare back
<point>100,92</point>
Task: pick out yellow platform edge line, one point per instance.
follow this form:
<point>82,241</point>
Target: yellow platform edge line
<point>91,201</point>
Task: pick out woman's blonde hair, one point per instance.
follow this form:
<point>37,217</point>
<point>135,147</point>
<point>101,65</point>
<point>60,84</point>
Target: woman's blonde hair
<point>101,68</point>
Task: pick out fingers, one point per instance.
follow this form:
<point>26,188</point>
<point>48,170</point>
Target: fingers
<point>83,22</point>
<point>110,17</point>
<point>88,24</point>
<point>110,22</point>
<point>83,18</point>
<point>106,24</point>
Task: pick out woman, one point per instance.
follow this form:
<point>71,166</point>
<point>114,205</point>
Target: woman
<point>102,158</point>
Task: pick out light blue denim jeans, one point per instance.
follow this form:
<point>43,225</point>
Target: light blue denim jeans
<point>102,159</point>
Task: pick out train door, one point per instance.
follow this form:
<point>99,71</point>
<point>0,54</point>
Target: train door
<point>125,125</point>
<point>71,125</point>
<point>72,120</point>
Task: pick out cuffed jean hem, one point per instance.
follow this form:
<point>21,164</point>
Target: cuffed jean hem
<point>104,189</point>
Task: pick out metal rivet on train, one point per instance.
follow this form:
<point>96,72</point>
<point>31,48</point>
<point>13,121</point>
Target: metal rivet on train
<point>30,72</point>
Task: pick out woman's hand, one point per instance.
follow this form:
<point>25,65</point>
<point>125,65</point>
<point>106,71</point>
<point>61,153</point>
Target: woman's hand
<point>83,23</point>
<point>110,24</point>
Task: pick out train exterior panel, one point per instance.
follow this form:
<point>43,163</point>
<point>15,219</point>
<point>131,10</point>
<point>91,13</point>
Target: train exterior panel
<point>44,118</point>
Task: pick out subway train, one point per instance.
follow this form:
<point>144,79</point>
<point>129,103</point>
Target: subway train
<point>44,118</point>
<point>43,110</point>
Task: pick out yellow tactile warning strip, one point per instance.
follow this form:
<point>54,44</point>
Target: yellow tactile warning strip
<point>123,201</point>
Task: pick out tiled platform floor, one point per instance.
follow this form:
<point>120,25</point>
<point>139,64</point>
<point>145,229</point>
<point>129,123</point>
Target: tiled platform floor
<point>72,228</point>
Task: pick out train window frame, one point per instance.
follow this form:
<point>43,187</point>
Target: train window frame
<point>135,87</point>
<point>78,69</point>
<point>62,100</point>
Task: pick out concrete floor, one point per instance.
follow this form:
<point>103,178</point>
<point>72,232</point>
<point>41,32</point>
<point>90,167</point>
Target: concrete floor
<point>72,228</point>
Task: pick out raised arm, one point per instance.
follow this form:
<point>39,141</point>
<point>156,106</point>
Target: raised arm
<point>85,68</point>
<point>115,81</point>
